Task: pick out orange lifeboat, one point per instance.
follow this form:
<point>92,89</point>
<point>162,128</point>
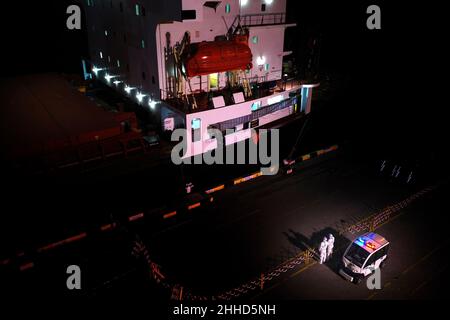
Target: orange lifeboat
<point>218,56</point>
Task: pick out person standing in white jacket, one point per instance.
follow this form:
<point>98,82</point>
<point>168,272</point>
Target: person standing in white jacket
<point>330,246</point>
<point>323,250</point>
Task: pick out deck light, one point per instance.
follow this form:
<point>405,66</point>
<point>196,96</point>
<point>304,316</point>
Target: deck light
<point>261,60</point>
<point>152,104</point>
<point>140,96</point>
<point>108,77</point>
<point>128,89</point>
<point>95,70</point>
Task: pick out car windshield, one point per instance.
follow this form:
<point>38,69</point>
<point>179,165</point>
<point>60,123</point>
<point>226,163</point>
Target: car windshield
<point>357,255</point>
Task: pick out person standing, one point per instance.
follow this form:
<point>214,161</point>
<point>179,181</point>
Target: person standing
<point>330,246</point>
<point>323,250</point>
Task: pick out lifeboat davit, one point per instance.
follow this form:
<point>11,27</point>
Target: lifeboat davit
<point>218,56</point>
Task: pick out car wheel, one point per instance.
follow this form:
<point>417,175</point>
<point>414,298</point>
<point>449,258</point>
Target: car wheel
<point>357,280</point>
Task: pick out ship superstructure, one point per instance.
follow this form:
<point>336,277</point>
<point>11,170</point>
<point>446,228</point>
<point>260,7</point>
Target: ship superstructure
<point>201,64</point>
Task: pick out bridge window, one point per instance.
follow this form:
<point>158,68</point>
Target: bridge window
<point>188,15</point>
<point>213,81</point>
<point>196,129</point>
<point>256,105</point>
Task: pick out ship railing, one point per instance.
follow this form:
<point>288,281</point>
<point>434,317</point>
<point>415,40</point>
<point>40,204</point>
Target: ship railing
<point>181,104</point>
<point>232,123</point>
<point>166,94</point>
<point>261,19</point>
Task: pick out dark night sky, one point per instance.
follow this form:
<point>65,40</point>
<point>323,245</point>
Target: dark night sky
<point>37,39</point>
<point>391,96</point>
<point>386,69</point>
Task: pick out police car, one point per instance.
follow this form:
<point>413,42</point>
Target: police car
<point>365,254</point>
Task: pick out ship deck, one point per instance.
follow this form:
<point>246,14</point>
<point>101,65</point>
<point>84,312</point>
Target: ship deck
<point>204,98</point>
<point>43,111</point>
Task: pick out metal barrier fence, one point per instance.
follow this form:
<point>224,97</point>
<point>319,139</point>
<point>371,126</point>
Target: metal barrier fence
<point>374,221</point>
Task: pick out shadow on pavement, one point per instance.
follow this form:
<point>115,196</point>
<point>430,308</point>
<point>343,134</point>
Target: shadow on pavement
<point>304,243</point>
